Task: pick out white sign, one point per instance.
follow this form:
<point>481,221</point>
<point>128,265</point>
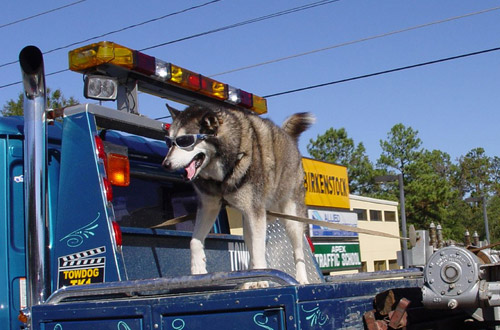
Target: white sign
<point>340,217</point>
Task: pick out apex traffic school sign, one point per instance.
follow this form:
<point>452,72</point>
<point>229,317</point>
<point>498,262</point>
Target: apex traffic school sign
<point>337,256</point>
<point>82,268</point>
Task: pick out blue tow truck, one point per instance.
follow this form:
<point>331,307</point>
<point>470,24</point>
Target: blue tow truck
<point>95,234</point>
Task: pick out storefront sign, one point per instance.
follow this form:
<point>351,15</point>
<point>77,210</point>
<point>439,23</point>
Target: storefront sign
<point>326,184</point>
<point>340,217</point>
<point>335,256</point>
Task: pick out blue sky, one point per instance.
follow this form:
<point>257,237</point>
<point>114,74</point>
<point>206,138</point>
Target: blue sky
<point>454,105</point>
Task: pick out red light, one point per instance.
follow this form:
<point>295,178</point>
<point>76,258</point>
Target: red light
<point>166,127</point>
<point>246,99</point>
<point>108,189</point>
<point>194,80</point>
<point>99,146</point>
<point>145,64</point>
<point>118,233</point>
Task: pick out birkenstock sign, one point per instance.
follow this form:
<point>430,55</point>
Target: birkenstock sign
<point>326,184</point>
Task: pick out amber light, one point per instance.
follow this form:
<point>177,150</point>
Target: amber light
<point>118,170</point>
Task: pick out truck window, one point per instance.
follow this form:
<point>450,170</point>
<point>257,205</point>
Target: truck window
<point>148,202</point>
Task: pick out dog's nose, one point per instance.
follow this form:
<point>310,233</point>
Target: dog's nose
<point>167,164</point>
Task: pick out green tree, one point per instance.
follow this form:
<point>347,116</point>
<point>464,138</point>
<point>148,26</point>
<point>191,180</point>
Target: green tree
<point>426,177</point>
<point>401,148</point>
<point>476,176</point>
<point>55,100</point>
<point>335,146</point>
<point>429,191</point>
<point>474,173</point>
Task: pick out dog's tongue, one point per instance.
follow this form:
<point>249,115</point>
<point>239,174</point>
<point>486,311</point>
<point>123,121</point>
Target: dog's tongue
<point>190,170</point>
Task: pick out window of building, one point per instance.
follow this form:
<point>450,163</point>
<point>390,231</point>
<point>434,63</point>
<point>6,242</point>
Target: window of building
<point>389,215</point>
<point>393,264</point>
<point>375,215</point>
<point>379,265</point>
<point>362,214</point>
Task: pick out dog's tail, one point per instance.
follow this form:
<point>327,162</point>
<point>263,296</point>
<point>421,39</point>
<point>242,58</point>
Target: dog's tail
<point>298,123</point>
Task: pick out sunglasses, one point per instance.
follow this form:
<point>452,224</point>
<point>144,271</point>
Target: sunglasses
<point>185,141</point>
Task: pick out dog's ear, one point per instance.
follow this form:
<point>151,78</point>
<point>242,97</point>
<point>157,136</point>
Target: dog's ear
<point>173,112</point>
<point>210,123</point>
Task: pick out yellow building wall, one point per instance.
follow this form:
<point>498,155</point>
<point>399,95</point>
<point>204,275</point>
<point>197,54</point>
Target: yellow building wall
<point>377,253</point>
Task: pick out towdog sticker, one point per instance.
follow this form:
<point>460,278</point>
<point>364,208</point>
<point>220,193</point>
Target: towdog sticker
<point>80,268</point>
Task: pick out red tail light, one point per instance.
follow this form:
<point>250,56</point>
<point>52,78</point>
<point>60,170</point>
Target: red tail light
<point>117,232</point>
<point>99,146</point>
<point>108,190</point>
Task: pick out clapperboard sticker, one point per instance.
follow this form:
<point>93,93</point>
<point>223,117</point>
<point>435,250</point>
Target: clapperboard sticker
<point>80,268</point>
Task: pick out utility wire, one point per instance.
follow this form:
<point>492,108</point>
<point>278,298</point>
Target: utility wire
<point>40,14</point>
<point>46,75</point>
<point>353,42</point>
<point>338,81</point>
<point>383,72</point>
<point>121,29</point>
<point>446,59</point>
<point>250,21</point>
<point>254,20</point>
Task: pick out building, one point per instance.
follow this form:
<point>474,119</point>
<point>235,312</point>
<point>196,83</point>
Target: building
<point>377,253</point>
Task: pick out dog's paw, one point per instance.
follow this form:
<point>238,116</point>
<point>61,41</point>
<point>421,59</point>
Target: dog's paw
<point>198,266</point>
<point>302,278</point>
<point>255,285</point>
<point>198,269</point>
<point>301,274</point>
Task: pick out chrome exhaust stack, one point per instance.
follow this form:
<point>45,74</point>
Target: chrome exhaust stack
<point>35,170</point>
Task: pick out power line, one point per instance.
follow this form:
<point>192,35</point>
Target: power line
<point>250,21</point>
<point>46,75</point>
<point>40,14</point>
<point>383,72</point>
<point>254,20</point>
<point>446,59</point>
<point>353,42</point>
<point>121,29</point>
<point>136,25</point>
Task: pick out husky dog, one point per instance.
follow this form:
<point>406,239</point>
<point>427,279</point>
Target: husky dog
<point>238,158</point>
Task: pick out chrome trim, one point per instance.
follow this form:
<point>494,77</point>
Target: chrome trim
<point>32,69</point>
<point>120,120</point>
<point>159,286</point>
<point>378,275</point>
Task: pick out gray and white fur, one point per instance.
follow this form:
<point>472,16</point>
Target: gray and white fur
<point>249,163</point>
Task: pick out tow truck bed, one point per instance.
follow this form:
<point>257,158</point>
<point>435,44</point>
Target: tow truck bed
<point>184,303</point>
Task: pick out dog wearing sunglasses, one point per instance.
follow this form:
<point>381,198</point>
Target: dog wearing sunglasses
<point>237,158</point>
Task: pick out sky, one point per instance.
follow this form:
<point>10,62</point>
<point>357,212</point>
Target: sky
<point>454,105</point>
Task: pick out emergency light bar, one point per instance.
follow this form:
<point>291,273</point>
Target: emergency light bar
<point>154,76</point>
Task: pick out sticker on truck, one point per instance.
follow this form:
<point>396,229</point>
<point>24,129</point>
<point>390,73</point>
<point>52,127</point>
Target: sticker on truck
<point>80,268</point>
